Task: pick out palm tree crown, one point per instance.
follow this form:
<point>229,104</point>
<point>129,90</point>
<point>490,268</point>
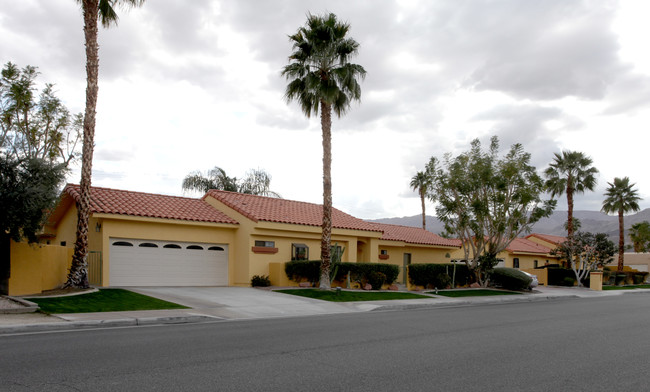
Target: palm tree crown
<point>620,197</point>
<point>570,172</point>
<point>421,183</point>
<point>322,78</point>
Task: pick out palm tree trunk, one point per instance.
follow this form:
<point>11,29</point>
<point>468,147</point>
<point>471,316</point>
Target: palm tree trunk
<point>78,275</point>
<point>326,238</point>
<point>569,200</point>
<point>621,240</point>
<point>424,216</point>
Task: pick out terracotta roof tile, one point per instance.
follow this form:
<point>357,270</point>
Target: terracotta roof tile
<point>414,235</point>
<point>523,245</point>
<point>120,202</point>
<point>553,239</point>
<point>269,209</point>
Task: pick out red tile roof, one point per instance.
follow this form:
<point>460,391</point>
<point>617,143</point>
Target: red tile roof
<point>120,202</point>
<point>553,239</point>
<point>523,245</point>
<point>414,235</point>
<point>270,209</point>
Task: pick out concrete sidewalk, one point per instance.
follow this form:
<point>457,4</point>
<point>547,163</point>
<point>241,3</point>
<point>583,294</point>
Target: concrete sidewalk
<point>239,303</point>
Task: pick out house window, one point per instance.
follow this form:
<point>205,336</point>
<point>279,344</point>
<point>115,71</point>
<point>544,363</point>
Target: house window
<point>535,264</point>
<point>197,247</point>
<point>216,248</point>
<point>122,243</point>
<point>265,244</point>
<point>383,252</point>
<point>299,252</point>
<point>148,245</point>
<point>515,262</point>
<point>172,246</point>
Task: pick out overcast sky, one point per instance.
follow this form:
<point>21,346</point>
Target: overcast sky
<point>189,85</point>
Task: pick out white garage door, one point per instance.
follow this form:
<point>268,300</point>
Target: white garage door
<point>167,263</point>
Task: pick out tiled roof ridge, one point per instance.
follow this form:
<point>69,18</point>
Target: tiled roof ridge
<point>77,187</point>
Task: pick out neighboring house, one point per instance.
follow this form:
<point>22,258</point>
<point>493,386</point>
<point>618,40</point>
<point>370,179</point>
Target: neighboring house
<point>224,238</point>
<point>525,254</point>
<point>547,240</point>
<point>638,261</point>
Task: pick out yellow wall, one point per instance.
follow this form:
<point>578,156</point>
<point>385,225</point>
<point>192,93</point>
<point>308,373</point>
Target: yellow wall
<point>37,267</point>
<point>420,254</point>
<point>526,261</point>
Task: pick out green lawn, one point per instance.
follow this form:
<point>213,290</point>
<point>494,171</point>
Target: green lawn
<point>106,300</point>
<point>640,286</point>
<point>350,296</point>
<point>472,293</point>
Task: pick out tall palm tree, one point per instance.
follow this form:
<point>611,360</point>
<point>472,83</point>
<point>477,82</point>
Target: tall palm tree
<point>104,11</point>
<point>570,172</point>
<point>421,183</point>
<point>322,78</point>
<point>620,197</point>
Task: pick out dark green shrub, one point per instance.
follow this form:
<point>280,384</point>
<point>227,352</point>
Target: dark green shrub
<point>360,272</point>
<point>376,279</point>
<point>431,275</point>
<point>299,271</point>
<point>260,281</point>
<point>569,281</point>
<point>639,278</point>
<point>620,279</point>
<point>442,281</point>
<point>510,279</point>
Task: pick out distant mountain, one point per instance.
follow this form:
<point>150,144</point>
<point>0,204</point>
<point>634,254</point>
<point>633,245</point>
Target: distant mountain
<point>592,221</point>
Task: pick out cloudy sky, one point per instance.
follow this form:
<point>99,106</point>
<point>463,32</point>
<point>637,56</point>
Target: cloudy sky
<point>187,86</point>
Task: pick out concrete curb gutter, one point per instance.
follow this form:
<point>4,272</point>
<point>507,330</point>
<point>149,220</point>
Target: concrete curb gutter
<point>24,306</point>
<point>468,302</point>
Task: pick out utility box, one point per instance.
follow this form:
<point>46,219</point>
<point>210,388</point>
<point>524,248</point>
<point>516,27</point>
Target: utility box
<point>596,280</point>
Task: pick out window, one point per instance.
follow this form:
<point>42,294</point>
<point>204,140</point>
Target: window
<point>535,264</point>
<point>515,262</point>
<point>148,245</point>
<point>216,248</point>
<point>197,247</point>
<point>265,244</point>
<point>172,246</point>
<point>122,243</point>
<point>383,252</point>
<point>299,252</point>
<point>63,243</point>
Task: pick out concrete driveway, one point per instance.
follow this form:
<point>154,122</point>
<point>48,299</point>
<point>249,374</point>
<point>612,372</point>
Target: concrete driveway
<point>242,302</point>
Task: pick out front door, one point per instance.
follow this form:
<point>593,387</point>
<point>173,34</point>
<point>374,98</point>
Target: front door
<point>407,262</point>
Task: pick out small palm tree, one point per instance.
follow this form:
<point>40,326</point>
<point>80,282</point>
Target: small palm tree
<point>257,182</point>
<point>93,10</point>
<point>640,236</point>
<point>421,183</point>
<point>570,172</point>
<point>322,78</point>
<point>620,197</point>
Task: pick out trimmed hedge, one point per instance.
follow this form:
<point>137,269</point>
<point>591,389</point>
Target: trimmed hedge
<point>299,271</point>
<point>510,279</point>
<point>438,275</point>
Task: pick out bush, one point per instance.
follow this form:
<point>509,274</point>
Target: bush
<point>568,281</point>
<point>260,281</point>
<point>299,271</point>
<point>510,279</point>
<point>438,275</point>
<point>376,279</point>
<point>360,272</point>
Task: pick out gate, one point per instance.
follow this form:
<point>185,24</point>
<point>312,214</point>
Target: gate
<point>95,268</point>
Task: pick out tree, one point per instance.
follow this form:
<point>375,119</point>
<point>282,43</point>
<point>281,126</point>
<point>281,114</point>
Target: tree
<point>34,126</point>
<point>322,78</point>
<point>620,197</point>
<point>569,173</point>
<point>256,182</point>
<point>640,236</point>
<point>93,10</point>
<point>421,182</point>
<point>29,187</point>
<point>584,252</point>
<point>487,201</point>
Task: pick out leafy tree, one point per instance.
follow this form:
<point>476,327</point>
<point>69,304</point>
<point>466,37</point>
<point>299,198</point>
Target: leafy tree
<point>35,126</point>
<point>256,182</point>
<point>421,182</point>
<point>620,197</point>
<point>29,187</point>
<point>487,201</point>
<point>570,172</point>
<point>584,252</point>
<point>93,10</point>
<point>322,78</point>
<point>640,236</point>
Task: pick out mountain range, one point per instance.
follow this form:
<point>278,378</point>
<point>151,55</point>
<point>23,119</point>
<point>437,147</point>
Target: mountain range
<point>592,221</point>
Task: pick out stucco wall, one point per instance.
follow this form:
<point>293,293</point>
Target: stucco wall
<point>38,267</point>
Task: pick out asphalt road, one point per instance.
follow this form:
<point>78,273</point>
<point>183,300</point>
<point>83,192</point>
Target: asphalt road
<point>567,345</point>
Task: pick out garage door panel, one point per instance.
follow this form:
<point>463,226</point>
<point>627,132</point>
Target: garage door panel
<point>160,266</point>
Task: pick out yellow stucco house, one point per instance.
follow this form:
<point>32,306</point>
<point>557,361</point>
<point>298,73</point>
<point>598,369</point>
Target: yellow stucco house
<point>223,238</point>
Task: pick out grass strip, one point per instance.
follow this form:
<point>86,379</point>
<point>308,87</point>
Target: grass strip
<point>640,286</point>
<point>472,293</point>
<point>350,296</point>
<point>104,300</point>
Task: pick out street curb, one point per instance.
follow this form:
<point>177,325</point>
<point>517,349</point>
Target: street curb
<point>485,301</point>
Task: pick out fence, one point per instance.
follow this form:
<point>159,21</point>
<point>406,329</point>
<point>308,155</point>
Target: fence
<point>95,268</point>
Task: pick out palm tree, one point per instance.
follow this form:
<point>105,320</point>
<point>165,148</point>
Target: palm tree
<point>621,198</point>
<point>257,182</point>
<point>640,236</point>
<point>570,172</point>
<point>320,75</point>
<point>421,183</point>
<point>93,10</point>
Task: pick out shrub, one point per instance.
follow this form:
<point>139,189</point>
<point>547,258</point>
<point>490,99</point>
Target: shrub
<point>260,281</point>
<point>360,272</point>
<point>299,271</point>
<point>376,279</point>
<point>438,275</point>
<point>568,281</point>
<point>510,279</point>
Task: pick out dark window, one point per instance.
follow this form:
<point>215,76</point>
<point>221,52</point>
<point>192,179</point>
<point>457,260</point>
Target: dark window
<point>172,246</point>
<point>63,243</point>
<point>265,244</point>
<point>216,248</point>
<point>383,252</point>
<point>299,252</point>
<point>148,245</point>
<point>535,264</point>
<point>122,243</point>
<point>195,247</point>
<point>515,262</point>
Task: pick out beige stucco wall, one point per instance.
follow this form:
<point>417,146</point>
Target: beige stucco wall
<point>37,267</point>
<point>420,254</point>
